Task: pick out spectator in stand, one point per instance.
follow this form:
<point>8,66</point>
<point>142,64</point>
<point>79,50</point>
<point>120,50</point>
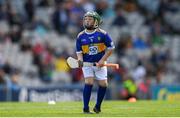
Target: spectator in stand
<point>60,18</point>
<point>119,20</point>
<point>101,7</point>
<point>30,10</point>
<point>2,80</point>
<point>61,73</point>
<point>123,43</point>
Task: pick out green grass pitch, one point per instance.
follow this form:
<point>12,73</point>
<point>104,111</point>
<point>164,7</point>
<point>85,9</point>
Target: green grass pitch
<point>74,109</point>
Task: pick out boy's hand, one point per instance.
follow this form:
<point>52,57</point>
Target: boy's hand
<point>80,62</point>
<point>100,63</point>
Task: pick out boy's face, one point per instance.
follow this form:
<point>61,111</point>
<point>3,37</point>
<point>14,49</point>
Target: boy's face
<point>89,22</point>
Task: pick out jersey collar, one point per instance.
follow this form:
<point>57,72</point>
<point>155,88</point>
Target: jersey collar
<point>89,32</point>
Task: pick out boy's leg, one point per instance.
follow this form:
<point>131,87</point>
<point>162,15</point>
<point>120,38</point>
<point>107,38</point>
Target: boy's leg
<point>100,95</point>
<point>89,80</point>
<point>101,75</point>
<point>87,93</point>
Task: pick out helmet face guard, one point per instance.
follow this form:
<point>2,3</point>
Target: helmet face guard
<point>97,19</point>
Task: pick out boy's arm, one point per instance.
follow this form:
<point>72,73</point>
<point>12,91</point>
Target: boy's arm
<point>79,49</point>
<point>80,59</point>
<point>110,47</point>
<point>79,56</point>
<point>105,57</point>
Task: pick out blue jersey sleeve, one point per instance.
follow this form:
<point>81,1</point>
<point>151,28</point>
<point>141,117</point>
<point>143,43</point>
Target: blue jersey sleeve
<point>108,42</point>
<point>78,46</point>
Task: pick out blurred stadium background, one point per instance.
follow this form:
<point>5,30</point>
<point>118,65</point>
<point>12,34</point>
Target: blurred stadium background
<point>36,37</point>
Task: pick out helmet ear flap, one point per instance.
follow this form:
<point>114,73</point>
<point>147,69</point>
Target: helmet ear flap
<point>98,19</point>
<point>96,24</point>
<point>100,22</point>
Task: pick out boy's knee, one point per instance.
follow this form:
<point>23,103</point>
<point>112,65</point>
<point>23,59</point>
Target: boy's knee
<point>103,83</point>
<point>89,81</point>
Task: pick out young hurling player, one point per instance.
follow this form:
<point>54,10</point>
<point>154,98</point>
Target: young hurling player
<point>93,45</point>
